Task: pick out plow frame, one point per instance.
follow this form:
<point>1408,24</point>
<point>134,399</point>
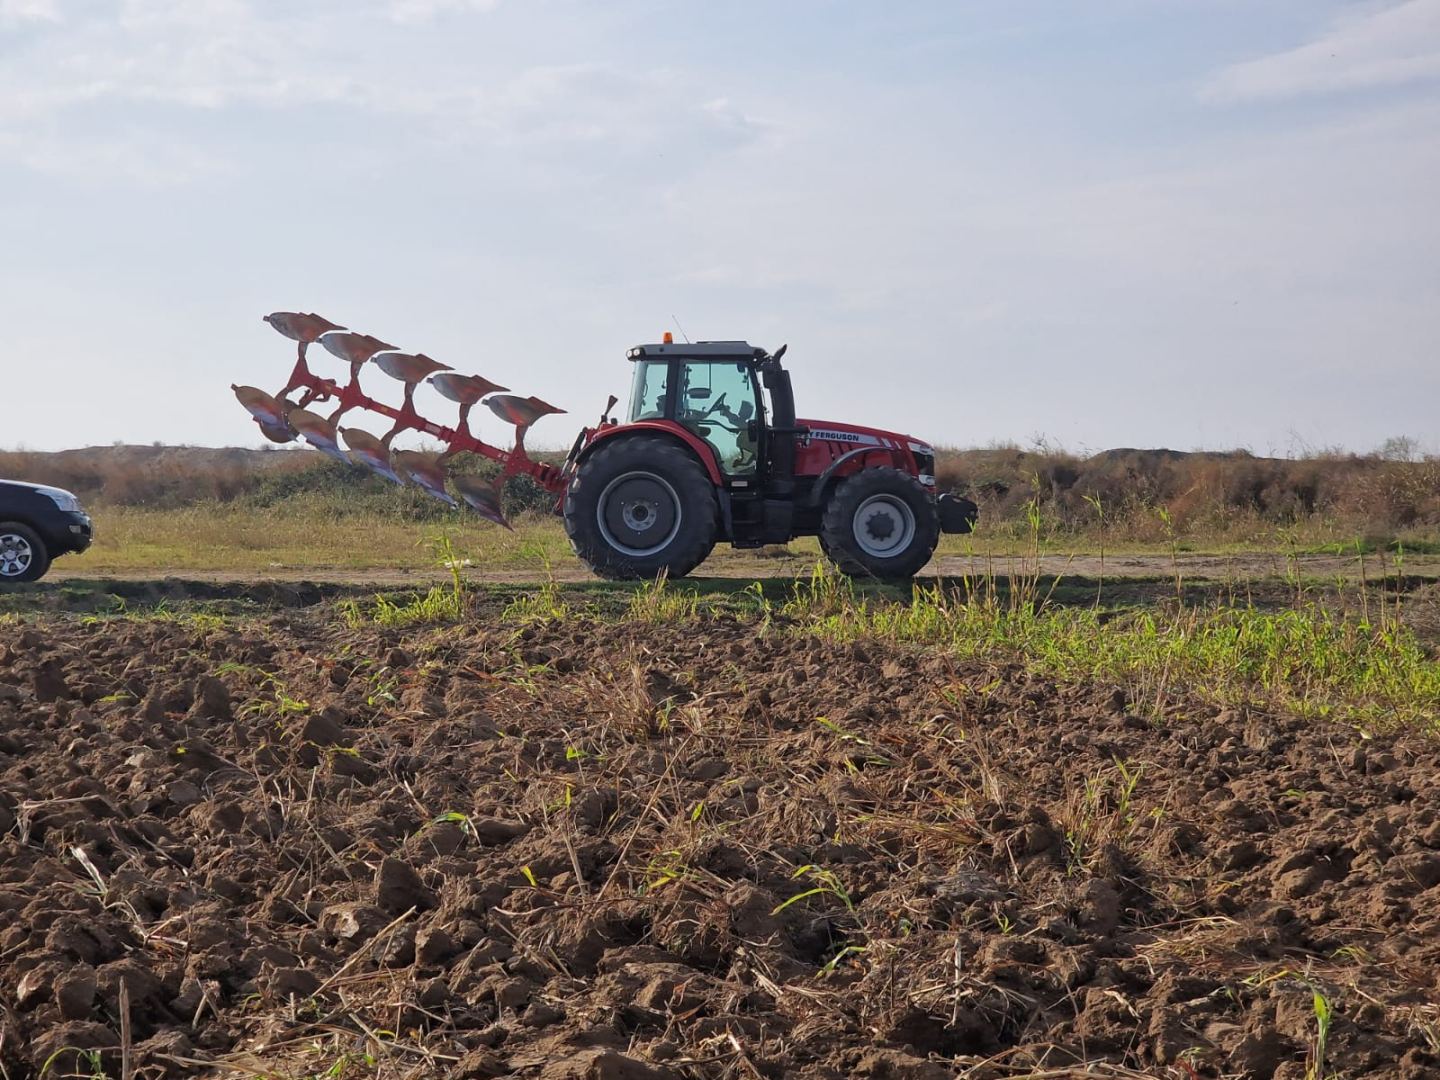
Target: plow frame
<point>514,462</point>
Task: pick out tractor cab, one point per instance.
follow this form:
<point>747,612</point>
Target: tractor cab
<point>710,388</point>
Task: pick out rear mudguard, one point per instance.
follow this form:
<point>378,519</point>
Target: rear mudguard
<point>668,428</point>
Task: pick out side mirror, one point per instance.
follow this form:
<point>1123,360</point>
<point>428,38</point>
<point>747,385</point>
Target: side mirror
<point>699,393</point>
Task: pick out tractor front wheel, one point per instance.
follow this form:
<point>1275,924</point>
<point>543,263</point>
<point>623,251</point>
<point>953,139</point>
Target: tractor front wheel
<point>880,523</point>
<point>641,506</point>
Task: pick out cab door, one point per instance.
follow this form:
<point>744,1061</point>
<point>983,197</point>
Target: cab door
<point>720,402</point>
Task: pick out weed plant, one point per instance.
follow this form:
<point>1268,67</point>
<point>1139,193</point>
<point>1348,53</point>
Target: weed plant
<point>1309,659</point>
<point>440,604</point>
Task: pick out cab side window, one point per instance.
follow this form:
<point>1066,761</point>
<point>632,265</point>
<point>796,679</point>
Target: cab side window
<point>719,403</point>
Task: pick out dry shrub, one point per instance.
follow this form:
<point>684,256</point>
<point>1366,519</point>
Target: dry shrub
<point>174,477</point>
<point>1233,495</point>
<point>156,476</point>
<point>1202,492</point>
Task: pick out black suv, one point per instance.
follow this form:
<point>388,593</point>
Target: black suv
<point>37,523</point>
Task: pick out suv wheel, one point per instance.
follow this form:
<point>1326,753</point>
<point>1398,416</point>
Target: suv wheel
<point>22,553</point>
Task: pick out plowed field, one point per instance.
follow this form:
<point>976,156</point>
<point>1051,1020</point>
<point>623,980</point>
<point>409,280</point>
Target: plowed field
<point>611,849</point>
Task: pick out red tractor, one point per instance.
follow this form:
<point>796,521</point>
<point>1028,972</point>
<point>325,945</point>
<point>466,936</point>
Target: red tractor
<point>702,459</point>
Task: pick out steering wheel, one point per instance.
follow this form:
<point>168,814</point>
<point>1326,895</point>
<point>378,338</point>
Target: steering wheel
<point>719,406</point>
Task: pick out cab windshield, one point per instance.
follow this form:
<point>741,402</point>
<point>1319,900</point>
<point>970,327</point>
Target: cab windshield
<point>647,390</point>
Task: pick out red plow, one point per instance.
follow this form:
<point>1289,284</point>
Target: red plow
<point>282,419</point>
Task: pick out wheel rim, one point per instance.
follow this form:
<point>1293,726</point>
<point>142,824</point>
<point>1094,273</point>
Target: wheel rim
<point>16,555</point>
<point>884,526</point>
<point>638,513</point>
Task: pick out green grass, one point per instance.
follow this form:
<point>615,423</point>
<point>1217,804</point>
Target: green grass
<point>1309,659</point>
<point>655,602</point>
<point>442,603</point>
<point>439,604</point>
<point>305,535</point>
<point>327,534</point>
<point>1366,668</point>
<point>1306,656</point>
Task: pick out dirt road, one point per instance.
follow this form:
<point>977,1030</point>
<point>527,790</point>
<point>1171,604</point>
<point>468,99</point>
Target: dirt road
<point>748,566</point>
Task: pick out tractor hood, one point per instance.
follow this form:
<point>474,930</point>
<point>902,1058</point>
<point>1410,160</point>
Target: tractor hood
<point>855,435</point>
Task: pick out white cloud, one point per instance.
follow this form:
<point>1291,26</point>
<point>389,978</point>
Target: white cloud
<point>211,55</point>
<point>195,53</point>
<point>410,11</point>
<point>13,12</point>
<point>146,160</point>
<point>141,15</point>
<point>1387,47</point>
<point>727,116</point>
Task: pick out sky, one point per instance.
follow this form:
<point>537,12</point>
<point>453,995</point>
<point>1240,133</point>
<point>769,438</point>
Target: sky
<point>1180,223</point>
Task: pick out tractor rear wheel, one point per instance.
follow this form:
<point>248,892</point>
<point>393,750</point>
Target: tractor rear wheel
<point>880,523</point>
<point>641,506</point>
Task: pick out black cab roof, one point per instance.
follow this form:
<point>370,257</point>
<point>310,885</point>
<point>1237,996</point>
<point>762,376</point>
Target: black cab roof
<point>717,352</point>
